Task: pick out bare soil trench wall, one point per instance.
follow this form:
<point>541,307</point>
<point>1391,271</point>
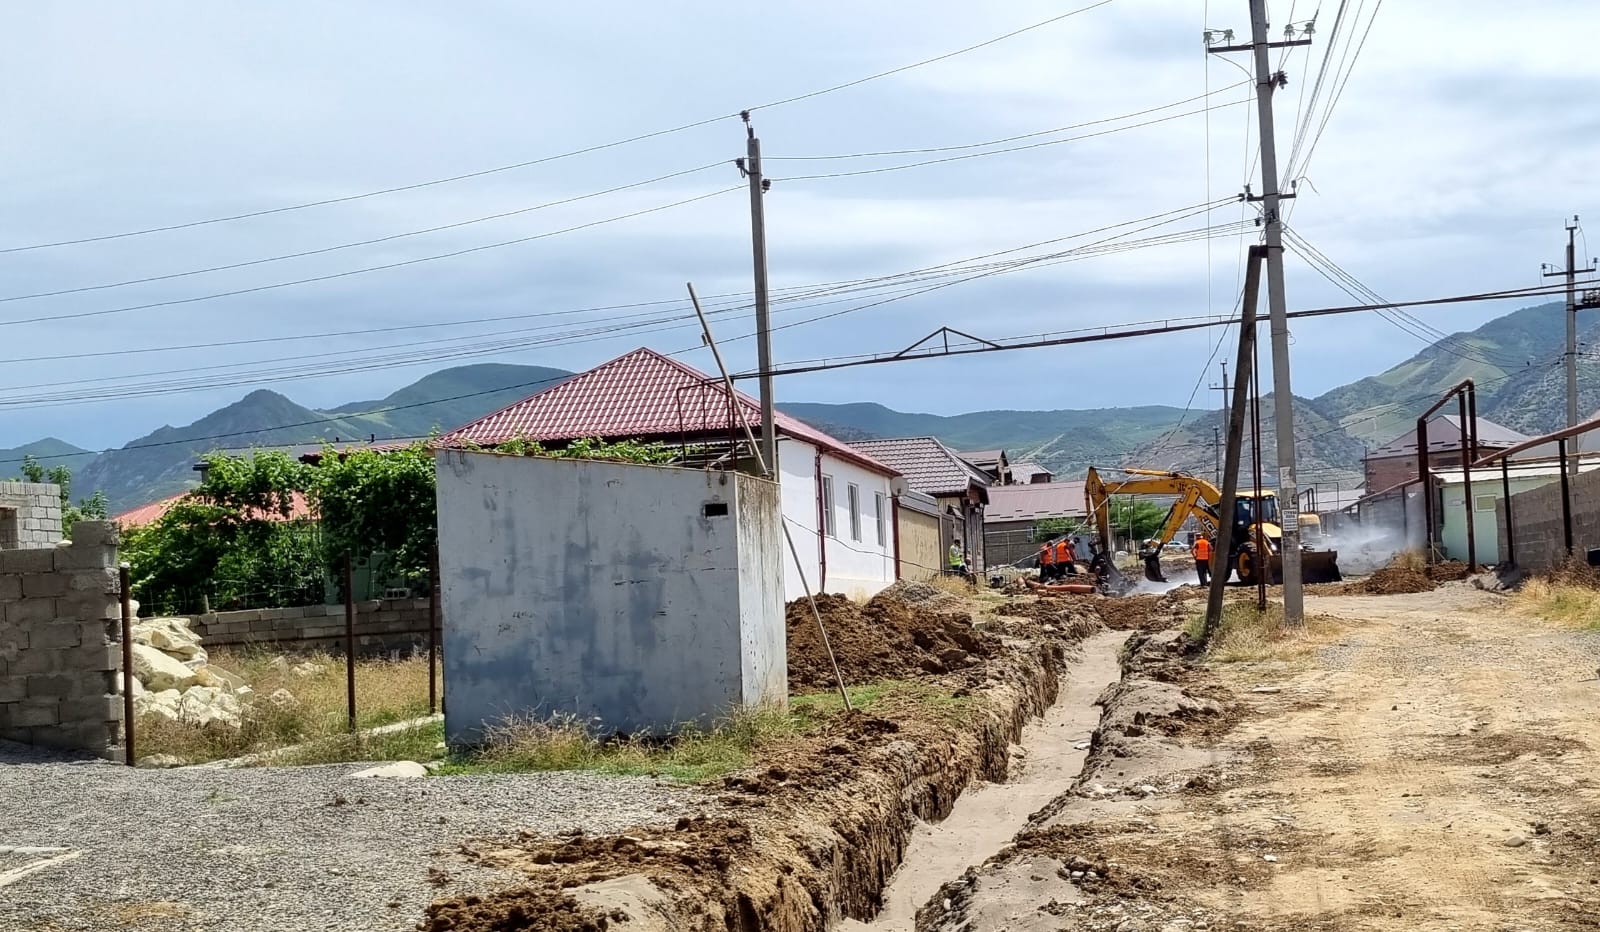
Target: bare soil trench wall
<point>796,847</point>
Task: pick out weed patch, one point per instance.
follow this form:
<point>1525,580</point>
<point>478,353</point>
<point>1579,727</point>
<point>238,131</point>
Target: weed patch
<point>1562,599</point>
<point>1247,634</point>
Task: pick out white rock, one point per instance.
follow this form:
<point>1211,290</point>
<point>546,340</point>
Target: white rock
<point>161,760</point>
<point>244,693</point>
<point>209,707</point>
<point>158,671</point>
<point>406,769</point>
<point>308,669</point>
<point>1270,858</point>
<point>171,635</point>
<point>162,704</point>
<point>283,699</point>
<point>218,677</point>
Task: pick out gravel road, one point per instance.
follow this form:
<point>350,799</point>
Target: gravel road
<point>276,849</point>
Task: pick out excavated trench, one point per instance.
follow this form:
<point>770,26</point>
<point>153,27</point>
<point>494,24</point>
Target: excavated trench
<point>855,829</point>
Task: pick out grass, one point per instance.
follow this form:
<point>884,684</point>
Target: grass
<point>1247,635</point>
<point>1569,596</point>
<point>693,754</point>
<point>386,691</point>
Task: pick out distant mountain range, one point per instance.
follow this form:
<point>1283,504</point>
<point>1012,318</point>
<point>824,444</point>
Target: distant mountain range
<point>1513,359</point>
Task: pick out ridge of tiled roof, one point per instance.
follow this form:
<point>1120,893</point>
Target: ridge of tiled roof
<point>929,466</point>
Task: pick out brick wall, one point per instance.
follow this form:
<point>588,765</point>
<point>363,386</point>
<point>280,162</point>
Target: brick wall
<point>381,625</point>
<point>59,659</point>
<point>30,515</point>
<point>1540,540</point>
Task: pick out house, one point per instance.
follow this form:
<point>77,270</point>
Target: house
<point>30,515</point>
<point>922,528</point>
<point>1030,474</point>
<point>1015,510</point>
<point>960,487</point>
<point>992,462</point>
<point>837,502</point>
<point>1396,461</point>
<point>1488,490</point>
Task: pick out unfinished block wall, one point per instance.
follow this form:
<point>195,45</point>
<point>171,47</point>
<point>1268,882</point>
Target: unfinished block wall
<point>59,655</point>
<point>1540,539</point>
<point>30,515</point>
<point>381,626</point>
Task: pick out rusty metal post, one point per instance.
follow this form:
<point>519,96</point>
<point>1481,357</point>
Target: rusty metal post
<point>1505,492</point>
<point>1566,497</point>
<point>1466,486</point>
<point>1427,487</point>
<point>433,630</point>
<point>1263,551</point>
<point>350,639</point>
<point>127,665</point>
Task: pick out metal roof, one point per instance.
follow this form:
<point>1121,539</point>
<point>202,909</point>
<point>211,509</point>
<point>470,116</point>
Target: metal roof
<point>929,466</point>
<point>1444,433</point>
<point>1021,470</point>
<point>641,395</point>
<point>1034,501</point>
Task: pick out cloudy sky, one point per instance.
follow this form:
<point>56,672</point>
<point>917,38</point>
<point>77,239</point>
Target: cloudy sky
<point>1457,146</point>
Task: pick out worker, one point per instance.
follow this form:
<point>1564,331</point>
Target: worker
<point>1047,562</point>
<point>1202,560</point>
<point>1064,558</point>
<point>958,559</point>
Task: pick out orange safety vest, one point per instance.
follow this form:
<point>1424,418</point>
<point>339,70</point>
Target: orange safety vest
<point>1064,551</point>
<point>1202,550</point>
<point>1047,555</point>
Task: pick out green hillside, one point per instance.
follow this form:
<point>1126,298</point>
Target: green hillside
<point>49,452</point>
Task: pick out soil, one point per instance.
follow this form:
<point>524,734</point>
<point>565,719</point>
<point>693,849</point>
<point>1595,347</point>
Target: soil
<point>1146,612</point>
<point>890,637</point>
<point>1392,580</point>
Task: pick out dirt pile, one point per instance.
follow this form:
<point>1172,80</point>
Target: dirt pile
<point>1448,571</point>
<point>1395,580</point>
<point>891,637</point>
<point>1127,613</point>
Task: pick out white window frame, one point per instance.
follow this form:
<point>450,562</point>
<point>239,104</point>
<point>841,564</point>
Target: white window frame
<point>881,512</point>
<point>852,494</point>
<point>828,525</point>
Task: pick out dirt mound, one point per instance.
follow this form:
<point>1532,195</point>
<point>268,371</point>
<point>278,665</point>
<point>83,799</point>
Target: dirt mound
<point>1395,580</point>
<point>1448,571</point>
<point>921,593</point>
<point>1130,612</point>
<point>888,638</point>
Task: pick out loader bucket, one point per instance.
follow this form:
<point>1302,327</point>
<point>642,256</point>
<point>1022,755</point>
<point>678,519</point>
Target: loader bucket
<point>1319,566</point>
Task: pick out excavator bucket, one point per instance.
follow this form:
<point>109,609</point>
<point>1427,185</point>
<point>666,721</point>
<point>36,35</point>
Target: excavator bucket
<point>1319,566</point>
<point>1152,568</point>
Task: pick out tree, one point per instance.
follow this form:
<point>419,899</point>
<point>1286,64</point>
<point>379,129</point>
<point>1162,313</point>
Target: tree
<point>94,507</point>
<point>1138,517</point>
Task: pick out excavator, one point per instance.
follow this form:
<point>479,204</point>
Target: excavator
<point>1255,522</point>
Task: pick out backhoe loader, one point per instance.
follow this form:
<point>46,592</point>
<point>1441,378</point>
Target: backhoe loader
<point>1255,524</point>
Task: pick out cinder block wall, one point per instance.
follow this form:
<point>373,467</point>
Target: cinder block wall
<point>380,626</point>
<point>59,658</point>
<point>1536,515</point>
<point>30,515</point>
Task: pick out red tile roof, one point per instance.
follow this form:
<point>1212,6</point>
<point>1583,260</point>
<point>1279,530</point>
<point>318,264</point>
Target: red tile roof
<point>929,466</point>
<point>641,395</point>
<point>299,508</point>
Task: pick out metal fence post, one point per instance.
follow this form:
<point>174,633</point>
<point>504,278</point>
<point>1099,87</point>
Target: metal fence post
<point>350,639</point>
<point>127,665</point>
<point>433,630</point>
<point>1511,527</point>
<point>1566,497</point>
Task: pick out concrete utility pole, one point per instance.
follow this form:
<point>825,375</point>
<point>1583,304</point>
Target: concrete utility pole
<point>1277,305</point>
<point>751,166</point>
<point>1216,432</point>
<point>1571,273</point>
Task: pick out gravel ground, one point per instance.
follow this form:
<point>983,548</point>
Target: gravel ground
<point>280,849</point>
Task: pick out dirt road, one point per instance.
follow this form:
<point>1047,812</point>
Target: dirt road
<point>1429,761</point>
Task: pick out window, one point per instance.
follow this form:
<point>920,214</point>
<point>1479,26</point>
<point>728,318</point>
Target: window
<point>1486,502</point>
<point>853,496</point>
<point>828,527</point>
<point>881,511</point>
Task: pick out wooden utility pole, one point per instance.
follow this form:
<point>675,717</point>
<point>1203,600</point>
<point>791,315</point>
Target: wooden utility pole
<point>751,166</point>
<point>1272,229</point>
<point>1221,547</point>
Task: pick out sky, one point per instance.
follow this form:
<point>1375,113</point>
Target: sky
<point>1457,147</point>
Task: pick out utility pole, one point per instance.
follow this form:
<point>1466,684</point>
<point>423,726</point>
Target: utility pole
<point>750,165</point>
<point>1277,305</point>
<point>1216,432</point>
<point>1573,306</point>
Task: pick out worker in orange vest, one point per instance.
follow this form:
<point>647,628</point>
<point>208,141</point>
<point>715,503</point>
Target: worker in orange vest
<point>1202,559</point>
<point>1064,558</point>
<point>1047,561</point>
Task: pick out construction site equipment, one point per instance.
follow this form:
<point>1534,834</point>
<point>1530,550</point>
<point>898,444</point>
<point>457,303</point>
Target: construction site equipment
<point>1255,524</point>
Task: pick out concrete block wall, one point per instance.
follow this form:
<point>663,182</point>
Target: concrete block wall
<point>30,515</point>
<point>1540,540</point>
<point>59,655</point>
<point>382,626</point>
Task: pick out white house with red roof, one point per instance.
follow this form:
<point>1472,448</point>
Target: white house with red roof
<point>837,502</point>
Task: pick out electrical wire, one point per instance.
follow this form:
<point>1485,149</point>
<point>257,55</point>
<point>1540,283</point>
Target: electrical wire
<point>564,155</point>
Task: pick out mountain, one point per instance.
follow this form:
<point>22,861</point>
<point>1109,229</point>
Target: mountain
<point>49,452</point>
<point>161,463</point>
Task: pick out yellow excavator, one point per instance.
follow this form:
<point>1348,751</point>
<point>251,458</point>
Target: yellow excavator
<point>1255,519</point>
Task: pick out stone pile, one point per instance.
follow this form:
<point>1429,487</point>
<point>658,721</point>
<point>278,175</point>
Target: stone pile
<point>174,680</point>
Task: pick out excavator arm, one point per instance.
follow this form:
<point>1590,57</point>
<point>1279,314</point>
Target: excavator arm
<point>1193,497</point>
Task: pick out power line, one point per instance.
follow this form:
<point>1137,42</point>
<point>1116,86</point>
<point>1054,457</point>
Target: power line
<point>362,271</point>
<point>640,137</point>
